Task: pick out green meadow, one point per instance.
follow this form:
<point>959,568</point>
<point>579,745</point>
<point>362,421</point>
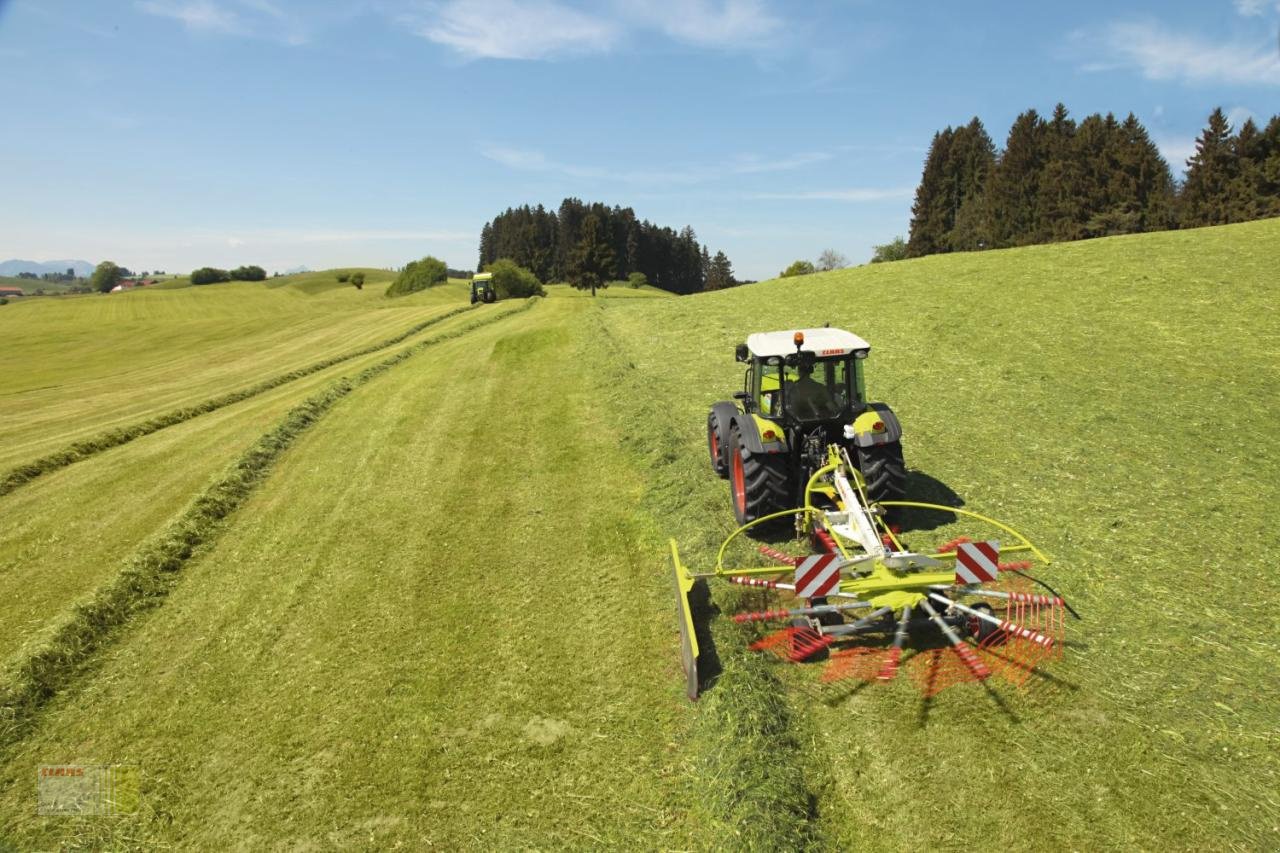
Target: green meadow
<point>418,594</point>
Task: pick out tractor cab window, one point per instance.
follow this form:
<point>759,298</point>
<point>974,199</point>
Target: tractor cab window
<point>819,390</point>
<point>770,395</point>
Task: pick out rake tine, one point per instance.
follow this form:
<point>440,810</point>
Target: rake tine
<point>1009,627</point>
<point>962,650</point>
<point>890,668</point>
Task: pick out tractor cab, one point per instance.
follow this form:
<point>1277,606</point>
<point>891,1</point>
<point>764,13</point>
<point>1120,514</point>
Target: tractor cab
<point>482,288</point>
<point>808,376</point>
<point>804,391</point>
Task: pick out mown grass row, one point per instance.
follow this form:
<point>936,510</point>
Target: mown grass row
<point>146,578</point>
<point>19,475</point>
<point>747,739</point>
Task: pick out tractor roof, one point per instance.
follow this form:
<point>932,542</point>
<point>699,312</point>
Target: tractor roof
<point>482,276</point>
<point>822,342</point>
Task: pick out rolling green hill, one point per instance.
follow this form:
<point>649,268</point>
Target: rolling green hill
<point>419,596</point>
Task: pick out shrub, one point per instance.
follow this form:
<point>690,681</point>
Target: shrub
<point>637,279</point>
<point>344,277</point>
<point>797,268</point>
<point>4,300</point>
<point>419,275</point>
<point>511,281</point>
<point>894,250</point>
<point>358,280</point>
<point>249,273</point>
<point>209,275</point>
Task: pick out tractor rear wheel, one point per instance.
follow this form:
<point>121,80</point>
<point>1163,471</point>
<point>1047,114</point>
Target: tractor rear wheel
<point>759,483</point>
<point>718,444</point>
<point>885,471</point>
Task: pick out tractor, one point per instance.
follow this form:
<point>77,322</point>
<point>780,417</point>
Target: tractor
<point>803,392</point>
<point>482,288</point>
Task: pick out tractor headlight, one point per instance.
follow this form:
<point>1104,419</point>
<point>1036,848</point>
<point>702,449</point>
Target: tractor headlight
<point>861,353</point>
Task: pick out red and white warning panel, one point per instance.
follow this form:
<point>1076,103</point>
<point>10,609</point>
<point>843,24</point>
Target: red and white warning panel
<point>818,576</point>
<point>977,562</point>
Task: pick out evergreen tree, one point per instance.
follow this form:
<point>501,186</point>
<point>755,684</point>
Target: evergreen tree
<point>929,225</point>
<point>1206,193</point>
<point>1058,211</point>
<point>1012,194</point>
<point>719,273</point>
<point>592,260</point>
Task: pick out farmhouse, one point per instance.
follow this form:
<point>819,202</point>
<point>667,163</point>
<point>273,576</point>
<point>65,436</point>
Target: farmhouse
<point>11,291</point>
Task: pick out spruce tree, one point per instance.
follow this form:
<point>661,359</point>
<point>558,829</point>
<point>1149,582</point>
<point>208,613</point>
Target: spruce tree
<point>592,260</point>
<point>1058,192</point>
<point>1206,193</point>
<point>719,273</point>
<point>929,225</point>
<point>1012,195</point>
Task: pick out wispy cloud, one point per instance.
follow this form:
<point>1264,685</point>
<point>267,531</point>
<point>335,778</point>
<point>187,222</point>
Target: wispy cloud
<point>530,160</point>
<point>731,24</point>
<point>507,29</point>
<point>546,29</point>
<point>250,18</point>
<point>1160,54</point>
<point>854,194</point>
<point>1256,8</point>
<point>1176,150</point>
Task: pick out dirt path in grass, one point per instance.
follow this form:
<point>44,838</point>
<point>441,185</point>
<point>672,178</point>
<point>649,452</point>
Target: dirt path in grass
<point>436,623</point>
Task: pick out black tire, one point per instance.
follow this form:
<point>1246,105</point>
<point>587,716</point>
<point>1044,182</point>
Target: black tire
<point>884,470</point>
<point>759,483</point>
<point>983,631</point>
<point>718,444</point>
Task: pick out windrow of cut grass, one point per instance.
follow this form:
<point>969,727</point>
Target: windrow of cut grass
<point>148,576</point>
<point>67,533</point>
<point>78,367</point>
<point>1104,397</point>
<point>79,450</point>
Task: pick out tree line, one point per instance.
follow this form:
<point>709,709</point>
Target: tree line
<point>590,245</point>
<point>1058,180</point>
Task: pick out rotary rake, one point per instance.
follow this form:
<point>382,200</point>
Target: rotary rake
<point>870,607</point>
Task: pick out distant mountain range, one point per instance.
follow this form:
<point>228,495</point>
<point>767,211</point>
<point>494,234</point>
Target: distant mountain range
<point>296,270</point>
<point>13,267</point>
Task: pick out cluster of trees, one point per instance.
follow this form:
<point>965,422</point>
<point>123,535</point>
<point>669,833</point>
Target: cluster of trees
<point>590,245</point>
<point>69,275</point>
<point>829,260</point>
<point>512,281</point>
<point>213,275</point>
<point>1057,179</point>
<point>419,275</point>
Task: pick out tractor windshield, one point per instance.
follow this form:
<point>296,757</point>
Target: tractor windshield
<point>818,393</point>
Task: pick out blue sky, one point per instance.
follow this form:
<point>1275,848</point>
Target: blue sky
<point>177,133</point>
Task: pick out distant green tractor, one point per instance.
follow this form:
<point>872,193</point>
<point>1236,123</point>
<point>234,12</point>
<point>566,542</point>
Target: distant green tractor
<point>482,288</point>
<point>803,390</point>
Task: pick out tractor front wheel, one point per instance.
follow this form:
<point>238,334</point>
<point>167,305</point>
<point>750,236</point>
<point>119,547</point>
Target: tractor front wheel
<point>759,483</point>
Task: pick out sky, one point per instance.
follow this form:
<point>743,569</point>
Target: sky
<point>173,134</point>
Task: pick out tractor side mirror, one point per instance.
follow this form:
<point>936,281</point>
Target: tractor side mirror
<point>740,352</point>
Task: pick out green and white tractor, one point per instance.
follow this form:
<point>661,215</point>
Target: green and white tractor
<point>482,288</point>
<point>804,390</point>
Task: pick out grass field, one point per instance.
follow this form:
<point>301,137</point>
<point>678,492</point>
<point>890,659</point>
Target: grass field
<point>441,614</point>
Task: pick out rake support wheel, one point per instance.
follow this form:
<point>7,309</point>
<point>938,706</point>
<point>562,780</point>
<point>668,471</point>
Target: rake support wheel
<point>718,444</point>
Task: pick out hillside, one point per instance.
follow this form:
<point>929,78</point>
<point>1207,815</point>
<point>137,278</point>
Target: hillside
<point>418,593</point>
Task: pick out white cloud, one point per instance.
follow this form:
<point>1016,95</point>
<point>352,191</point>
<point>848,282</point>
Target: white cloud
<point>507,29</point>
<point>1160,54</point>
<point>728,24</point>
<point>855,194</point>
<point>1176,150</point>
<point>1256,8</point>
<point>1237,116</point>
<point>250,18</point>
<point>529,160</point>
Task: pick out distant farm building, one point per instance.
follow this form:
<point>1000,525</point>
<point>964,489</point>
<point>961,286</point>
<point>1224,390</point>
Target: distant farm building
<point>11,291</point>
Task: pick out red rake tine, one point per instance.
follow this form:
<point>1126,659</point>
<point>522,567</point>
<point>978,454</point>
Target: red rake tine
<point>959,646</point>
<point>1006,626</point>
<point>775,554</point>
<point>894,658</point>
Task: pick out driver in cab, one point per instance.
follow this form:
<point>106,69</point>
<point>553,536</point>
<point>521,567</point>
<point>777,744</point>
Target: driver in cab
<point>806,397</point>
